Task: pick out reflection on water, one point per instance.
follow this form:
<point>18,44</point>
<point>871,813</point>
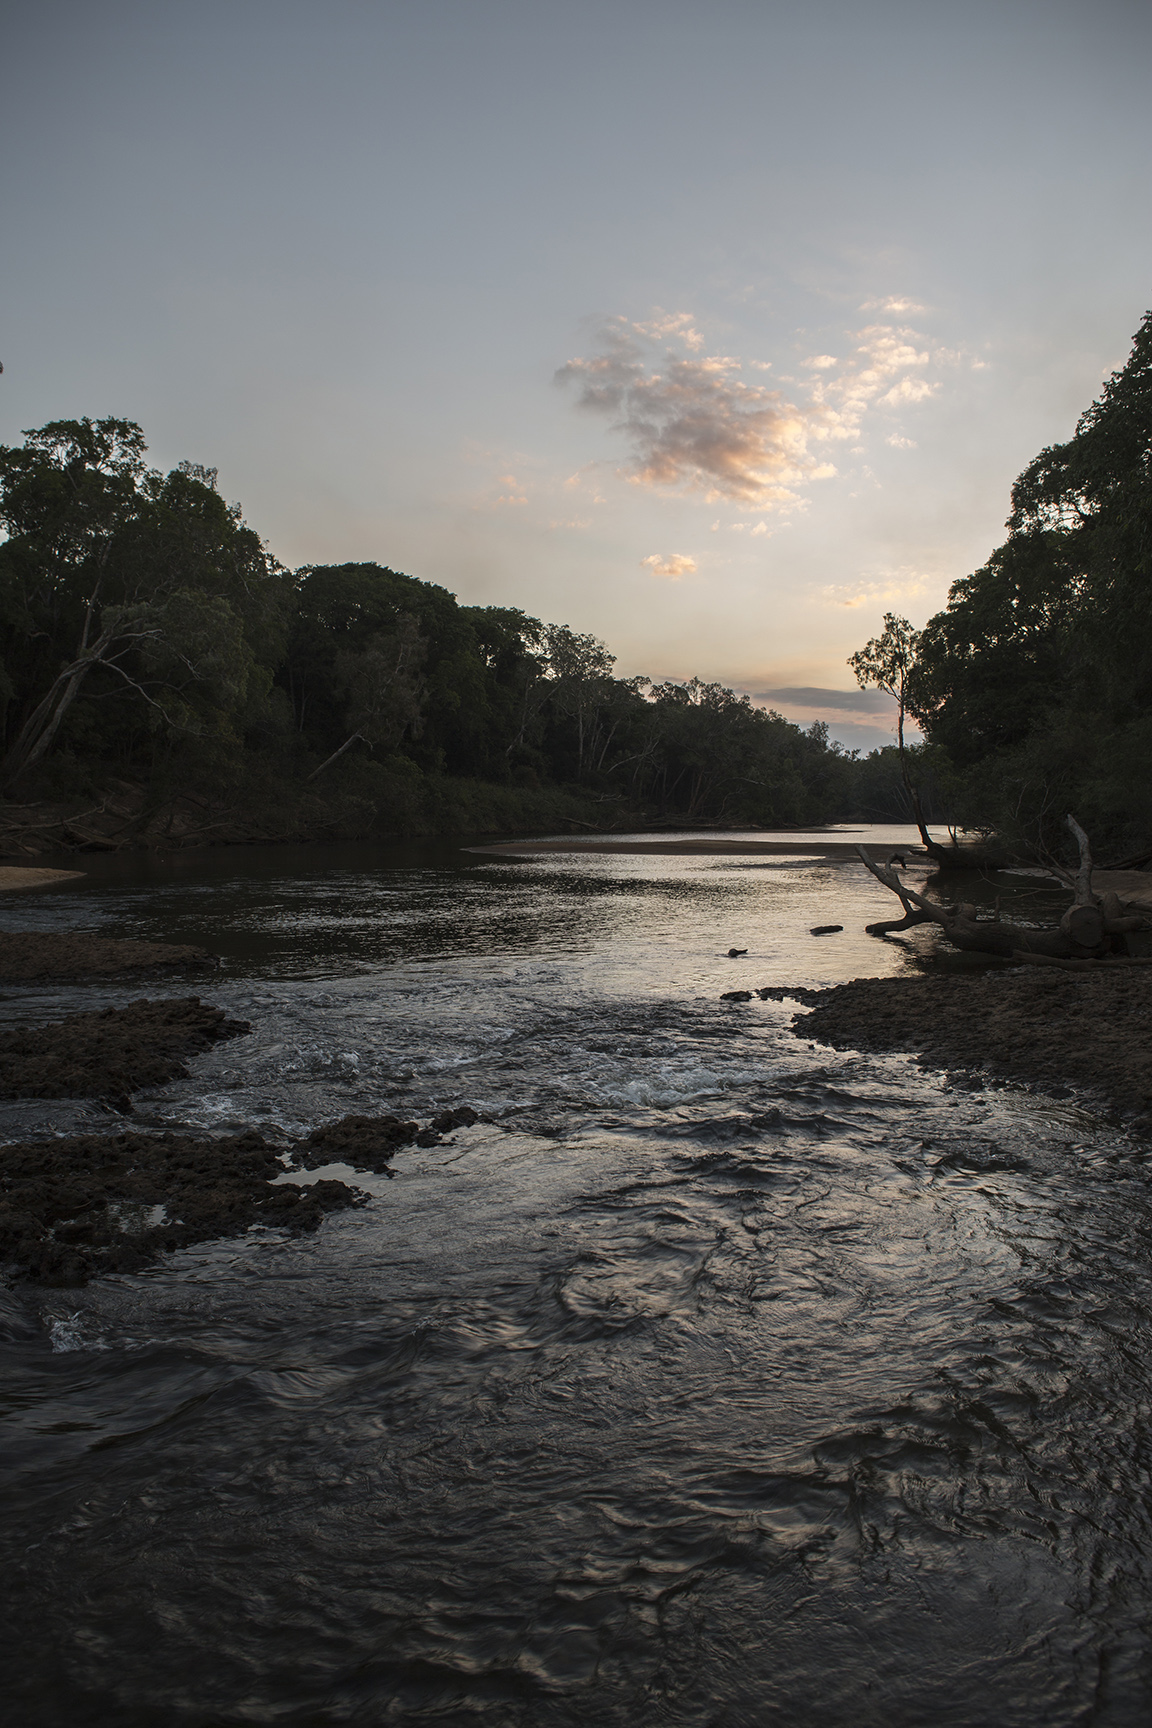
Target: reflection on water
<point>712,1379</point>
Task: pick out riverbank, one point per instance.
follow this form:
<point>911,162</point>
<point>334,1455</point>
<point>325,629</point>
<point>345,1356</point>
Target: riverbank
<point>357,800</point>
<point>709,845</point>
<point>1060,1032</point>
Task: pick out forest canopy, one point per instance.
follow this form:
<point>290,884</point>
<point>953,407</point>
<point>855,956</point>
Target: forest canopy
<point>1036,680</point>
<point>149,634</point>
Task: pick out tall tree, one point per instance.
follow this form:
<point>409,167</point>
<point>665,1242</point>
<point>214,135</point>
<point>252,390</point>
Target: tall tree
<point>888,663</point>
<point>1037,677</point>
<point>123,584</point>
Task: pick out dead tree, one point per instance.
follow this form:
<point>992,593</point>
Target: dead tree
<point>1091,932</point>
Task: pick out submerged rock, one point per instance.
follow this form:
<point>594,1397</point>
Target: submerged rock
<point>371,1142</point>
<point>364,1142</point>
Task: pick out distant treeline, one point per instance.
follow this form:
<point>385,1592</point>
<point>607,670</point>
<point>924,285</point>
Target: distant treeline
<point>149,634</point>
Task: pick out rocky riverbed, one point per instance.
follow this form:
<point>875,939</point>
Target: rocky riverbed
<point>112,1053</point>
<point>1058,1031</point>
<point>80,1205</point>
<point>39,956</point>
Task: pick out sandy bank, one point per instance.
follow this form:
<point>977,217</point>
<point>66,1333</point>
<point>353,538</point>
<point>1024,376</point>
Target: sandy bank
<point>712,847</point>
<point>20,876</point>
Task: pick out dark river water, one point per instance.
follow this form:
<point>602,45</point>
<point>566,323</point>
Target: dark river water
<point>714,1378</point>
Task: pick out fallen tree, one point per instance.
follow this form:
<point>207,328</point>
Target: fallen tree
<point>1091,932</point>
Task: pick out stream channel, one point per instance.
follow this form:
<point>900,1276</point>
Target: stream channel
<point>711,1378</point>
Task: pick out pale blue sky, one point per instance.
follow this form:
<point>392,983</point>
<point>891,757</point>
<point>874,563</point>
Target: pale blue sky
<point>823,278</point>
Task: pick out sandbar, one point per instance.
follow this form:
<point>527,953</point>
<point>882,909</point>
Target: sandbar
<point>27,876</point>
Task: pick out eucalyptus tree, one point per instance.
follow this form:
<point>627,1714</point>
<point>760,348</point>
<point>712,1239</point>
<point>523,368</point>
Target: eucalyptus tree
<point>124,586</point>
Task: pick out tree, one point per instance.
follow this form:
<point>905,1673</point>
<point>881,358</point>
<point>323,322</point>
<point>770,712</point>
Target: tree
<point>888,663</point>
<point>579,670</point>
<point>383,688</point>
<point>1037,677</point>
<point>122,584</point>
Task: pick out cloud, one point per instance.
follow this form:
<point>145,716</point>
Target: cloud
<point>892,590</point>
<point>695,423</point>
<point>899,443</point>
<point>860,719</point>
<point>853,702</point>
<point>893,303</point>
<point>674,566</point>
<point>909,390</point>
<point>668,325</point>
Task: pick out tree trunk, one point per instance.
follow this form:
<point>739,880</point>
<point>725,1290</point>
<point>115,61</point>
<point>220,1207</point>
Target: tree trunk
<point>327,763</point>
<point>1088,933</point>
<point>43,723</point>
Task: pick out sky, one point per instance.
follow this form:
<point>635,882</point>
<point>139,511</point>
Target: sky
<point>716,331</point>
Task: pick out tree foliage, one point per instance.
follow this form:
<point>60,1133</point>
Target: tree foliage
<point>1037,677</point>
<point>142,593</point>
<point>147,630</point>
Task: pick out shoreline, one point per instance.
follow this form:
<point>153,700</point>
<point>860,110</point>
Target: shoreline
<point>710,847</point>
<point>1064,1034</point>
<point>17,876</point>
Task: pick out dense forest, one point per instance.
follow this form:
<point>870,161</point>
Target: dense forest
<point>155,650</point>
<point>151,640</point>
<point>1034,685</point>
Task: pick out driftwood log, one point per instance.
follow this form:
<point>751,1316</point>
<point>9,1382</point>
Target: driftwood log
<point>1091,933</point>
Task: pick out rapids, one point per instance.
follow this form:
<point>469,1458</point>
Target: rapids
<point>711,1378</point>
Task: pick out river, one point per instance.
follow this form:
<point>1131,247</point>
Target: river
<point>712,1378</point>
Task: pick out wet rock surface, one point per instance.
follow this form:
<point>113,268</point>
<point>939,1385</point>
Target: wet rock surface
<point>73,1208</point>
<point>28,956</point>
<point>111,1053</point>
<point>371,1142</point>
<point>1090,1031</point>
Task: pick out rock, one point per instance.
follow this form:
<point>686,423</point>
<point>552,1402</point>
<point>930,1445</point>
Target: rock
<point>736,996</point>
<point>825,929</point>
<point>790,993</point>
<point>76,1207</point>
<point>462,1117</point>
<point>1091,1031</point>
<point>364,1142</point>
<point>371,1142</point>
<point>735,953</point>
<point>111,1053</point>
<point>29,955</point>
